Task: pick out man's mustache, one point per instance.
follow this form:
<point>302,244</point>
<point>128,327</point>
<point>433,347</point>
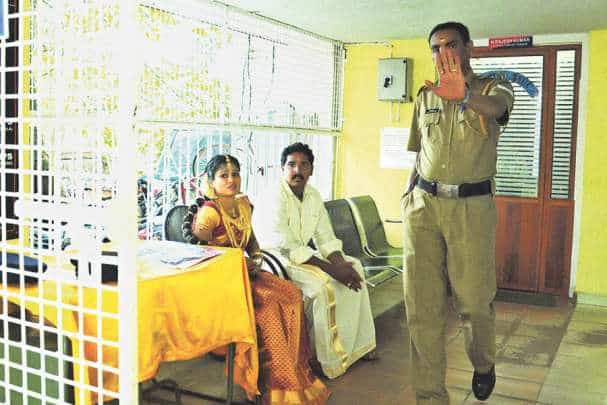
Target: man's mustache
<point>297,176</point>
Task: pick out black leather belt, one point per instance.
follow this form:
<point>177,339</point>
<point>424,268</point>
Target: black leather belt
<point>454,190</point>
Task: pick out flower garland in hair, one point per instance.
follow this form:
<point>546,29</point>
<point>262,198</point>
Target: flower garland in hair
<point>188,219</point>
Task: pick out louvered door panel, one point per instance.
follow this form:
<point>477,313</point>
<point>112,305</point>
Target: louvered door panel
<point>563,124</point>
<point>519,145</point>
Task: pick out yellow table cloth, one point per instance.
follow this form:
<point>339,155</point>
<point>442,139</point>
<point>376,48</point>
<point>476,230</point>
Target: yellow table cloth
<point>182,314</point>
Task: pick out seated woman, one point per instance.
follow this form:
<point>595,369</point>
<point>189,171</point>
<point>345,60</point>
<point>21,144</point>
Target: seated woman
<point>225,220</point>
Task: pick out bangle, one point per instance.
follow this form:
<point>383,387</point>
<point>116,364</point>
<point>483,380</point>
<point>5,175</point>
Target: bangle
<point>257,259</point>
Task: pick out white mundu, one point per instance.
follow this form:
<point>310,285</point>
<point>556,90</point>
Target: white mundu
<point>339,319</point>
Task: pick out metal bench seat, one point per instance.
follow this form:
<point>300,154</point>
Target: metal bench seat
<point>377,269</point>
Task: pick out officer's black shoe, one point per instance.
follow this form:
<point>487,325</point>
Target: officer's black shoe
<point>482,384</point>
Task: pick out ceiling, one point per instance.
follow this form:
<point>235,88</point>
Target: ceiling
<point>381,20</point>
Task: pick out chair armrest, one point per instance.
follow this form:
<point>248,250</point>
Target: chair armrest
<point>274,264</point>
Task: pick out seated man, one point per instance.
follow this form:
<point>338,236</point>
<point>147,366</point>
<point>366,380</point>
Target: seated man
<point>336,298</point>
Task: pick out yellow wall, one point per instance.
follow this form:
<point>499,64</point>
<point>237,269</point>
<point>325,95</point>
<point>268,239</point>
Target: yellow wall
<point>592,274</point>
<point>364,116</point>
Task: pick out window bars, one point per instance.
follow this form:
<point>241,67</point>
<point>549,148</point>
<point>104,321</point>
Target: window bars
<point>103,102</point>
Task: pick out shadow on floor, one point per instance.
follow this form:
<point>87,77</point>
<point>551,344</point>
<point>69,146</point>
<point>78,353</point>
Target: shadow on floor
<point>545,355</point>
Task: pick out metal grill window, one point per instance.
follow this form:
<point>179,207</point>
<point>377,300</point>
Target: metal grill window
<point>234,68</point>
<point>518,149</point>
<point>238,84</point>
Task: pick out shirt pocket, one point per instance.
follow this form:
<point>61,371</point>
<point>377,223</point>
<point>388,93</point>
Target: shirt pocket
<point>430,126</point>
<point>310,224</point>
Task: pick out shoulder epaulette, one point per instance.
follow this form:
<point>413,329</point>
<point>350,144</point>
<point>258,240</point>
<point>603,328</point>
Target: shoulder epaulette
<point>488,83</point>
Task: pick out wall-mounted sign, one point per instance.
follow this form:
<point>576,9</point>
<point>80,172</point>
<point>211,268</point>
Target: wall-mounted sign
<point>516,41</point>
<point>393,149</point>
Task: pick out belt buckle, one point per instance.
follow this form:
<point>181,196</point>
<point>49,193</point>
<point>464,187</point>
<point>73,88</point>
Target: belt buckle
<point>447,190</point>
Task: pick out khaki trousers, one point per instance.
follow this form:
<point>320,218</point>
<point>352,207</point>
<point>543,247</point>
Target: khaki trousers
<point>448,242</point>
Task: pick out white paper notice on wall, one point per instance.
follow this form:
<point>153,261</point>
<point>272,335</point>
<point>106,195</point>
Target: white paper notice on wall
<point>393,149</point>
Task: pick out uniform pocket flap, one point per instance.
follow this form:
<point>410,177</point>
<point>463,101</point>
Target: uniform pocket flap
<point>431,118</point>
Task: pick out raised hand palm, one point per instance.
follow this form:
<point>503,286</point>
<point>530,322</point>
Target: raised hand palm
<point>451,85</point>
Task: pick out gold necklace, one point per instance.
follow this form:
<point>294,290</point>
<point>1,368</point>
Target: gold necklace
<point>239,222</point>
<point>233,211</point>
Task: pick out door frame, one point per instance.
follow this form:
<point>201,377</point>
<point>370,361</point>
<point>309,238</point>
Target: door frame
<point>583,40</point>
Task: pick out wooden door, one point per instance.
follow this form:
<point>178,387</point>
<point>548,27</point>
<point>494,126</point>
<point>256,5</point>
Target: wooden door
<point>536,168</point>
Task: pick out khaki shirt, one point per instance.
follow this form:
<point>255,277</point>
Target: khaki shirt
<point>451,145</point>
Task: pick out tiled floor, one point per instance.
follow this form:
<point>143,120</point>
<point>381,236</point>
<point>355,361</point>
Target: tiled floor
<point>546,355</point>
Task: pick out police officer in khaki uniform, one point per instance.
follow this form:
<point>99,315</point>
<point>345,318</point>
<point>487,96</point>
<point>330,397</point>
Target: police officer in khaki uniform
<point>449,214</point>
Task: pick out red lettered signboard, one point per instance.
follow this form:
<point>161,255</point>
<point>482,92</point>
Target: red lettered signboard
<point>516,41</point>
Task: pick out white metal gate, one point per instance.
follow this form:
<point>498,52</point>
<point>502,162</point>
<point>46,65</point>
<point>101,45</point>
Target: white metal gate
<point>66,336</point>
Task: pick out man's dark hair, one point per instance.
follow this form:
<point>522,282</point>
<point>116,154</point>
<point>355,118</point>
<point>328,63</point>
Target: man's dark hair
<point>216,162</point>
<point>452,25</point>
<point>294,148</point>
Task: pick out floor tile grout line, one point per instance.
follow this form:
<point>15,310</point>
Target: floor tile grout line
<point>495,394</point>
<point>565,329</point>
<point>502,376</point>
<point>509,333</point>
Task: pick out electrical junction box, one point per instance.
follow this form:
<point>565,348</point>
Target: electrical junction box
<point>394,80</point>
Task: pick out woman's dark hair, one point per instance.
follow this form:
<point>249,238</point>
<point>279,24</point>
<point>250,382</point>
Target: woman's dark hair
<point>188,219</point>
<point>452,25</point>
<point>294,148</point>
<point>216,162</point>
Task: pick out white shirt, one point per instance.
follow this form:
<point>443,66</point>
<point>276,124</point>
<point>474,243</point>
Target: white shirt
<point>285,223</point>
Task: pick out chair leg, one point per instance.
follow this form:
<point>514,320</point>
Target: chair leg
<point>172,386</point>
<point>163,385</point>
<point>230,388</point>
